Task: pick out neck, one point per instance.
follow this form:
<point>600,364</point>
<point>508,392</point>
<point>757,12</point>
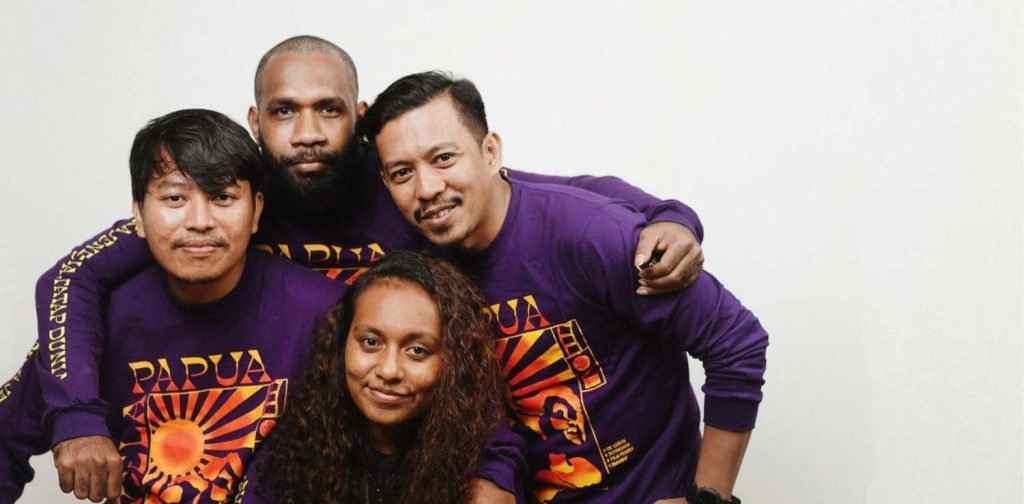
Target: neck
<point>384,439</point>
<point>494,219</point>
<point>205,292</point>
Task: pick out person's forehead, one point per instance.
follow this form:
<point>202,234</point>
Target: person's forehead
<point>296,74</point>
<point>433,120</point>
<point>176,179</point>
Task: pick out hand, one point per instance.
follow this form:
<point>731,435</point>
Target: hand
<point>90,466</point>
<point>681,258</point>
<point>676,500</point>
<point>482,491</point>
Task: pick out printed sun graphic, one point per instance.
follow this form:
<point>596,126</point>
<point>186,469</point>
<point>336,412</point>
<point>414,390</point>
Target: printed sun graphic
<point>194,443</point>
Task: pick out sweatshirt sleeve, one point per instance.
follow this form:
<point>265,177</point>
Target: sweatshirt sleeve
<point>706,320</point>
<point>654,209</point>
<point>504,460</point>
<point>21,428</point>
<point>70,323</point>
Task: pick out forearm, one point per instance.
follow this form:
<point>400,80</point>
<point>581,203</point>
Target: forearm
<point>654,209</point>
<point>721,454</point>
<point>69,313</point>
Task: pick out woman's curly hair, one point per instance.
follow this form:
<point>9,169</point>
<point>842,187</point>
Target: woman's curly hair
<point>320,451</point>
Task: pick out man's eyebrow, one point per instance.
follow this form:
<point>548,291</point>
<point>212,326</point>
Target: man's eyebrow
<point>335,101</point>
<point>442,146</point>
<point>279,102</point>
<point>170,184</point>
<point>430,153</point>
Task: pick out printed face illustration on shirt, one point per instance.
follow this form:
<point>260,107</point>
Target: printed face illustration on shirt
<point>549,369</point>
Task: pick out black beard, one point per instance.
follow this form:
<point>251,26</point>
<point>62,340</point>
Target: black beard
<point>310,197</point>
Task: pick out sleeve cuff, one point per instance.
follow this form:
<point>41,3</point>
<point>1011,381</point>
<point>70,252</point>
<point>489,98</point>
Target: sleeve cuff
<point>668,211</point>
<point>736,415</point>
<point>74,424</point>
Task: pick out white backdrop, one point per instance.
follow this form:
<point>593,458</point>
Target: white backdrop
<point>857,167</point>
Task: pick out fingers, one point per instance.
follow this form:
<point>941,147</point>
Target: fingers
<point>682,276</point>
<point>82,484</point>
<point>672,255</point>
<point>646,247</point>
<point>114,480</point>
<point>90,467</point>
<point>66,477</point>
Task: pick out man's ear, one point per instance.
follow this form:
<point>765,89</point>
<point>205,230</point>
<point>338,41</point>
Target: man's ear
<point>254,122</point>
<point>137,214</point>
<point>257,210</point>
<point>361,109</point>
<point>491,148</point>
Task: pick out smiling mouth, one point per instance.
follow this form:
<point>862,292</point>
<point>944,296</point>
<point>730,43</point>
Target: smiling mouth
<point>436,215</point>
<point>199,248</point>
<point>388,397</point>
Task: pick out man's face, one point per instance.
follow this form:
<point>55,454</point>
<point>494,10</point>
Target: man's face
<point>442,179</point>
<point>305,122</point>
<point>200,239</point>
<point>393,354</point>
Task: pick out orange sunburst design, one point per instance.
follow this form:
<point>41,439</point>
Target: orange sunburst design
<point>194,443</point>
<point>347,275</point>
<point>548,370</point>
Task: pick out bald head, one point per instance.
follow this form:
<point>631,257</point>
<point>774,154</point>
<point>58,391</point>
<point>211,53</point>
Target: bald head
<point>305,44</point>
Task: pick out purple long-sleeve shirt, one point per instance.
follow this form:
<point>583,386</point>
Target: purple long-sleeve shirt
<point>598,374</point>
<point>68,295</point>
<point>189,391</point>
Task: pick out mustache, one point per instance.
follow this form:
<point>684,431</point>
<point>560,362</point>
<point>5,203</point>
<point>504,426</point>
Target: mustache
<point>309,155</point>
<point>216,241</point>
<point>432,205</point>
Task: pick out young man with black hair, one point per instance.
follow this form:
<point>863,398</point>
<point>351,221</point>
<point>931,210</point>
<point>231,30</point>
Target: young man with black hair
<point>199,351</point>
<point>598,375</point>
<point>326,209</point>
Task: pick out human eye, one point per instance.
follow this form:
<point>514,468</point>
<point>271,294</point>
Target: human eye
<point>223,199</point>
<point>369,343</point>
<point>283,111</point>
<point>331,111</point>
<point>173,200</point>
<point>418,352</point>
<point>402,174</point>
<point>444,158</point>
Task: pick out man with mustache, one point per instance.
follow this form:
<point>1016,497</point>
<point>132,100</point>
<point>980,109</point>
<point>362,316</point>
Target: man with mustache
<point>555,267</point>
<point>326,209</point>
<point>201,349</point>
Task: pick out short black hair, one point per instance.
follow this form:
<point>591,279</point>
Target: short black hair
<point>205,146</point>
<point>305,44</point>
<point>414,91</point>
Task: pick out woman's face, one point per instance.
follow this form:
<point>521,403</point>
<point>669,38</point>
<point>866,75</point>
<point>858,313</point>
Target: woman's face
<point>393,355</point>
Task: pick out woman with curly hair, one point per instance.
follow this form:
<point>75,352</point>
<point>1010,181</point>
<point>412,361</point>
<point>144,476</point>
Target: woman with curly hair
<point>402,393</point>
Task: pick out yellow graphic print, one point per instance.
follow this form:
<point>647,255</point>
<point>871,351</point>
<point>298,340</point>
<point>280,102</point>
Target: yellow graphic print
<point>190,445</point>
<point>7,388</point>
<point>345,264</point>
<point>548,370</point>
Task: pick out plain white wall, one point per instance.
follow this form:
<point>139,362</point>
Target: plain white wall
<point>857,166</point>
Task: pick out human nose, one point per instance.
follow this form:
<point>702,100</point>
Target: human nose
<point>389,368</point>
<point>199,217</point>
<point>429,184</point>
<point>308,130</point>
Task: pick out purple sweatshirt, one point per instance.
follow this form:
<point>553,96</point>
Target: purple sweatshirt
<point>191,391</point>
<point>68,295</point>
<point>598,374</point>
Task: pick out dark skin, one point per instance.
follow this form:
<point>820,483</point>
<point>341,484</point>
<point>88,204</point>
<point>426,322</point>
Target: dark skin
<point>90,467</point>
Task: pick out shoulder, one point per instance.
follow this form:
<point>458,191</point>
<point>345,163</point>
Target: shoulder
<point>573,214</point>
